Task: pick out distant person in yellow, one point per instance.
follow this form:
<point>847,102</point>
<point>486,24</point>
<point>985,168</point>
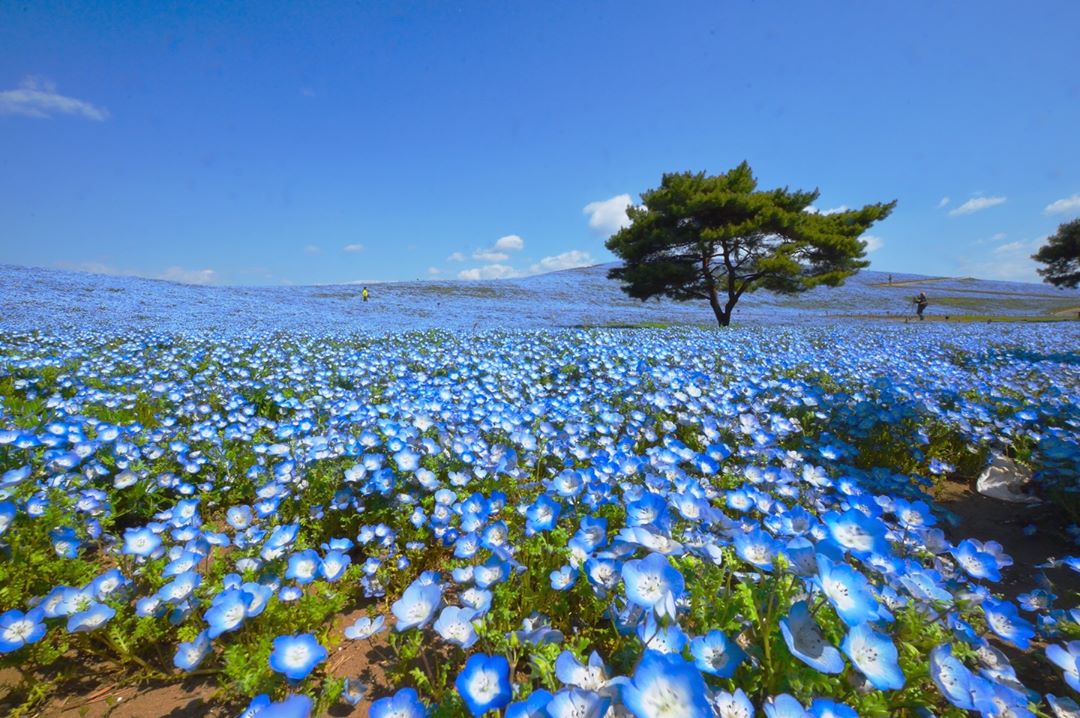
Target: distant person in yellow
<point>364,294</point>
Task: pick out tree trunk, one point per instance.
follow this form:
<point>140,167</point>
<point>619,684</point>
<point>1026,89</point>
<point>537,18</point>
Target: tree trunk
<point>723,314</point>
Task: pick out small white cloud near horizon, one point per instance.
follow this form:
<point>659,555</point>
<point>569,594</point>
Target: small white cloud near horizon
<point>433,271</point>
<point>353,248</point>
<point>976,204</point>
<point>456,257</point>
<point>873,242</point>
<point>37,97</point>
<point>1010,262</point>
<point>944,201</point>
<point>1068,205</point>
<point>174,273</point>
<point>188,276</point>
<point>510,243</point>
<point>490,255</point>
<point>608,216</point>
<point>567,260</point>
<point>490,271</point>
<point>312,249</point>
<point>834,210</point>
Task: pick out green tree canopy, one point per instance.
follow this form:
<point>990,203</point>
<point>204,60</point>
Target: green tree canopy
<point>1061,255</point>
<point>700,237</point>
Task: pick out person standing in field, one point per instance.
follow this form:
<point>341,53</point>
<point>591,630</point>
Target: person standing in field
<point>920,304</point>
<point>364,294</point>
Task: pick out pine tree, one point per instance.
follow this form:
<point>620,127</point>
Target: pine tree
<point>719,237</point>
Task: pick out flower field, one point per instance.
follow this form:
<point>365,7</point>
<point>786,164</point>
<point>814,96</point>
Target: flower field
<point>649,523</point>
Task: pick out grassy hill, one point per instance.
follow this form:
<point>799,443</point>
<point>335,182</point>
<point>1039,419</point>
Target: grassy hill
<point>35,298</point>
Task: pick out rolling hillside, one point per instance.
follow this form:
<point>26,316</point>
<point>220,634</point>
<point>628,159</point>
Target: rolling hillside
<point>34,298</point>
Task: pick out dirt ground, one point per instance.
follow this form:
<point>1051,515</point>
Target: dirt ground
<point>986,519</point>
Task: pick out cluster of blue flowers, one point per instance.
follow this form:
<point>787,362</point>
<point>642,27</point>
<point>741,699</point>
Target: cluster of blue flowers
<point>697,506</point>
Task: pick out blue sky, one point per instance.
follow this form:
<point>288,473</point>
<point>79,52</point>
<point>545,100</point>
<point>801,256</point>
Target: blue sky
<point>269,143</point>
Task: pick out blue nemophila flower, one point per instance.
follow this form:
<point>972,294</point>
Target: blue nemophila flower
<point>757,548</point>
<point>1063,707</point>
<point>856,532</point>
<point>976,563</point>
<point>653,583</point>
<point>417,605</point>
<point>18,629</point>
<point>190,654</point>
<point>296,656</point>
<point>141,542</point>
<point>535,706</point>
<point>239,517</point>
<point>665,686</point>
<point>668,638</point>
<point>303,566</point>
<point>353,691</point>
<point>784,706</point>
<point>227,611</point>
<point>295,706</point>
<point>1066,658</point>
<point>542,515</point>
<point>563,578</point>
<point>951,677</point>
<point>536,629</point>
<point>1005,621</point>
<point>875,656</point>
<point>484,683</point>
<point>805,641</point>
<point>826,708</point>
<point>455,625</point>
<point>364,628</point>
<point>716,654</point>
<point>578,703</point>
<point>847,590</point>
<point>591,677</point>
<point>403,704</point>
<point>7,515</point>
<point>1038,600</point>
<point>91,619</point>
<point>334,564</point>
<point>733,705</point>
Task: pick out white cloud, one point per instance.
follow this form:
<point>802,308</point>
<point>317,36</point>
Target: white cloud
<point>456,257</point>
<point>566,260</point>
<point>944,201</point>
<point>171,274</point>
<point>37,97</point>
<point>1011,261</point>
<point>490,255</point>
<point>434,271</point>
<point>1067,205</point>
<point>1011,247</point>
<point>608,216</point>
<point>312,249</point>
<point>510,243</point>
<point>976,204</point>
<point>873,242</point>
<point>490,271</point>
<point>353,248</point>
<point>835,210</point>
<point>188,276</point>
<point>998,236</point>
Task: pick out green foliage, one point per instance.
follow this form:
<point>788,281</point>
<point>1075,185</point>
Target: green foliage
<point>30,567</point>
<point>718,237</point>
<point>1061,255</point>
